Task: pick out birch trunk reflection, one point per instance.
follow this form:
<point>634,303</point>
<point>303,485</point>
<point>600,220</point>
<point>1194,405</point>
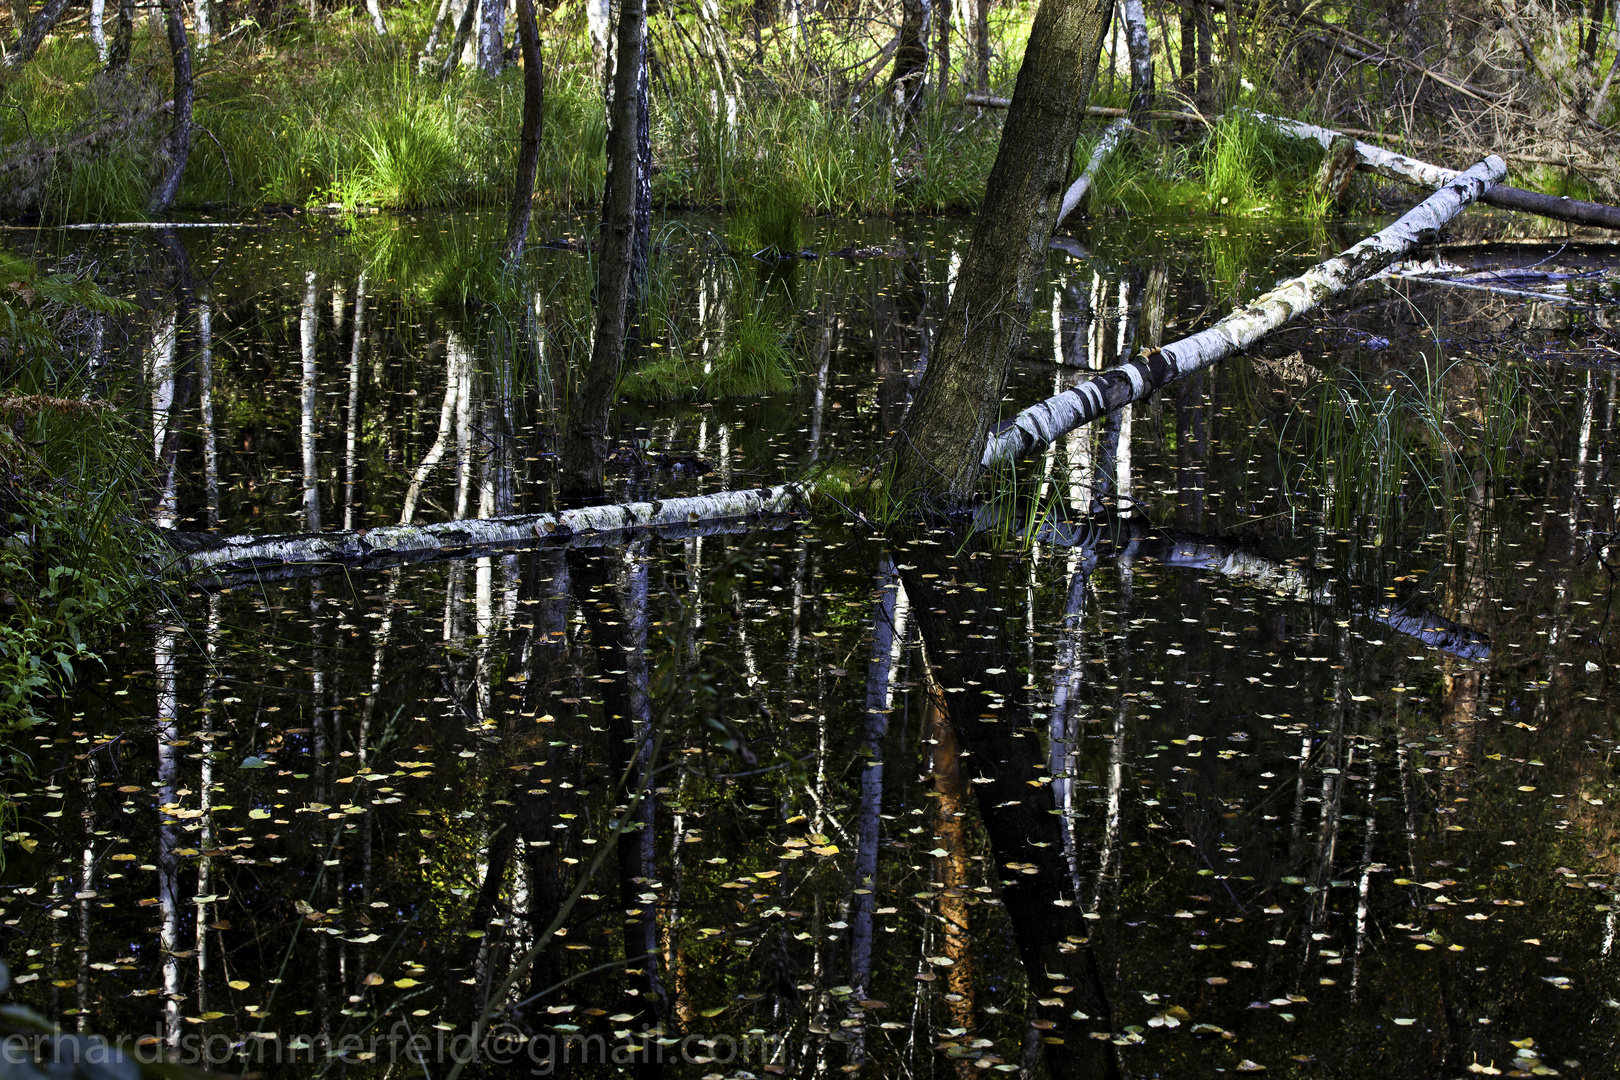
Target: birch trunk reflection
<point>164,644</point>
<point>976,666</point>
<point>621,647</point>
<point>888,638</point>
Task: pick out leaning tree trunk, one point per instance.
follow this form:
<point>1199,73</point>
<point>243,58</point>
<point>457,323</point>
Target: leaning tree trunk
<point>534,119</point>
<point>584,449</point>
<point>1040,424</point>
<point>1423,174</point>
<point>938,447</point>
<point>33,34</point>
<point>463,31</point>
<point>1141,52</point>
<point>178,147</point>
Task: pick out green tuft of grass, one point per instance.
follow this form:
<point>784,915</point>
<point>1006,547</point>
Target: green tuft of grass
<point>755,360</point>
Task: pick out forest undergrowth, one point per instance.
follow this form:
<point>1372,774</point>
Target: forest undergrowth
<point>299,114</point>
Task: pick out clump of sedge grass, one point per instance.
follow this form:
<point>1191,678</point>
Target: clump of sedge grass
<point>755,359</point>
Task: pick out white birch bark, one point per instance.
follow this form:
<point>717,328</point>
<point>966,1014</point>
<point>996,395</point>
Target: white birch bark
<point>1423,174</point>
<point>98,29</point>
<point>203,28</point>
<point>351,462</point>
<point>306,426</point>
<point>161,378</point>
<point>1136,379</point>
<point>240,553</point>
<point>447,415</point>
<point>205,403</point>
<point>1112,135</point>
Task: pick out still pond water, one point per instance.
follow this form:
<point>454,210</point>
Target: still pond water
<point>1270,728</point>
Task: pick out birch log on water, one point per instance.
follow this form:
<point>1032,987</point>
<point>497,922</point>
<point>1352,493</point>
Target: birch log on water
<point>1042,423</point>
<point>236,554</point>
<point>1400,167</point>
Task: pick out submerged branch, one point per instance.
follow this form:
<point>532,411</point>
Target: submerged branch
<point>1040,424</point>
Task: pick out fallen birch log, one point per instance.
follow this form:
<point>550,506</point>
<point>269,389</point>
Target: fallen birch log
<point>1400,167</point>
<point>231,555</point>
<point>1042,423</point>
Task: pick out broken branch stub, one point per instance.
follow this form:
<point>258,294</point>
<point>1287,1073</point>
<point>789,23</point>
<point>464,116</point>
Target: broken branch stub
<point>1042,423</point>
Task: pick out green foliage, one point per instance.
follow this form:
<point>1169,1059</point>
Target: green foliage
<point>771,220</point>
<point>69,482</point>
<point>755,358</point>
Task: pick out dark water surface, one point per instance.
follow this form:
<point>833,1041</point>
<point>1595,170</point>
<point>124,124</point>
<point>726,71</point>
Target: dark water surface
<point>1270,726</point>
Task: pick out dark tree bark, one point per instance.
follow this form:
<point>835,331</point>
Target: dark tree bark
<point>534,118</point>
<point>910,73</point>
<point>178,148</point>
<point>936,452</point>
<point>463,31</point>
<point>1008,772</point>
<point>627,205</point>
<point>123,38</point>
<point>32,35</point>
<point>981,44</point>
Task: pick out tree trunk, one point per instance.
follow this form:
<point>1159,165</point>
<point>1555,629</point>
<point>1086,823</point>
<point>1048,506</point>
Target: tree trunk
<point>374,9</point>
<point>98,28</point>
<point>938,447</point>
<point>432,42</point>
<point>1111,137</point>
<point>178,148</point>
<point>33,35</point>
<point>463,32</point>
<point>910,73</point>
<point>203,22</point>
<point>491,36</point>
<point>534,118</point>
<point>981,44</point>
<point>123,38</point>
<point>626,207</point>
<point>1140,47</point>
<point>1038,425</point>
<point>1421,173</point>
